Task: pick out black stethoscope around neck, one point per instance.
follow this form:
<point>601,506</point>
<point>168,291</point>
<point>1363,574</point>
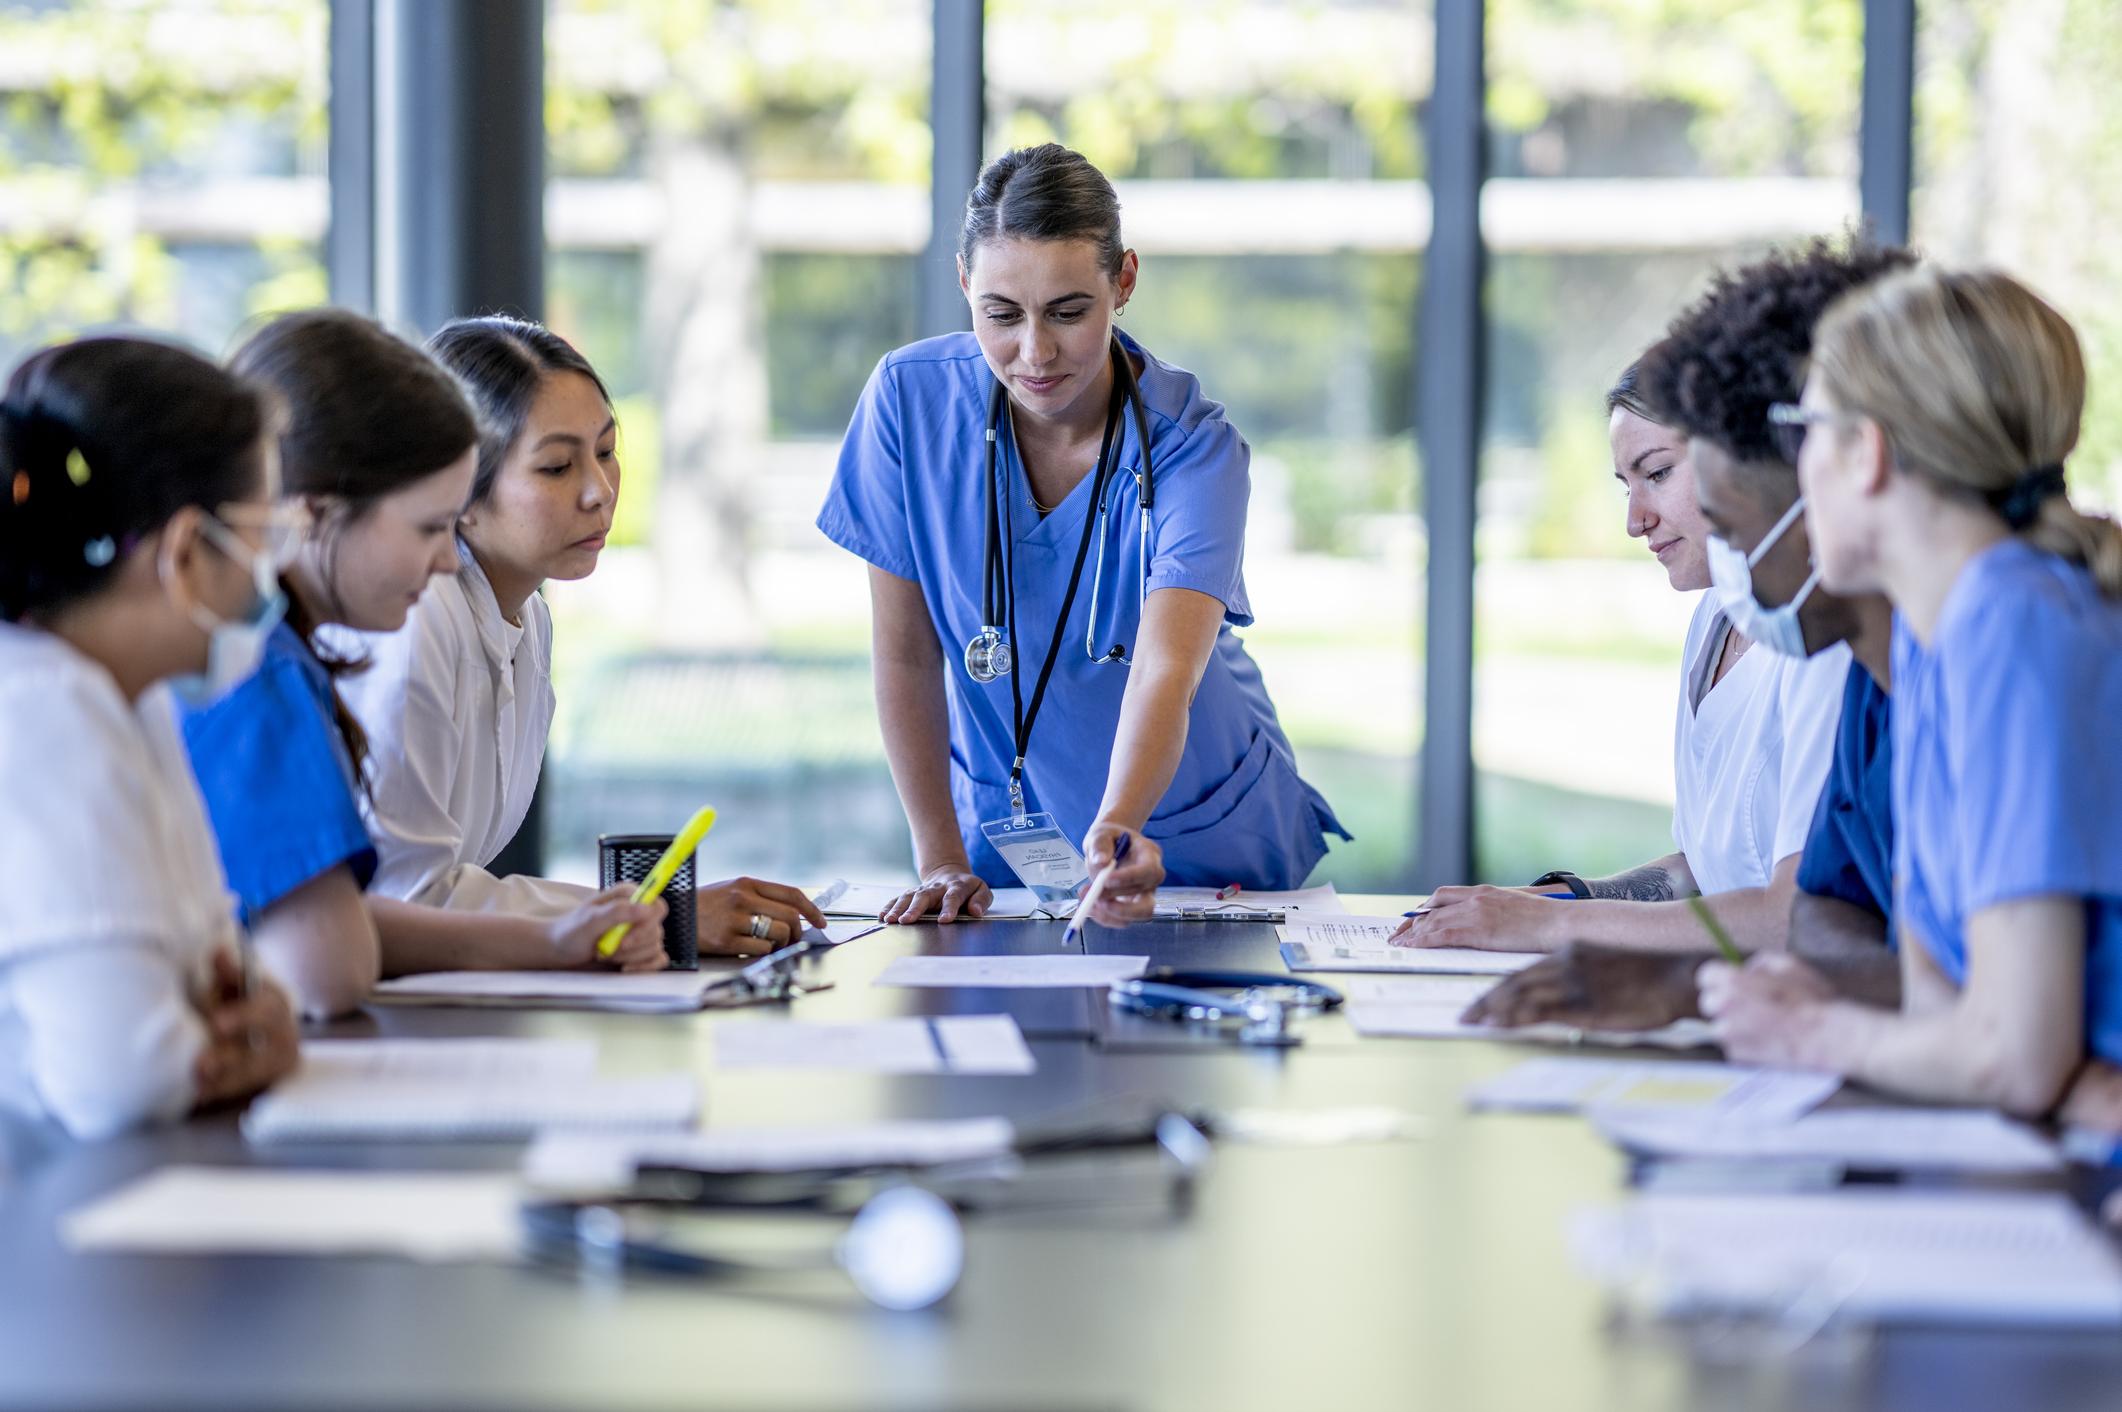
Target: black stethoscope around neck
<point>990,653</point>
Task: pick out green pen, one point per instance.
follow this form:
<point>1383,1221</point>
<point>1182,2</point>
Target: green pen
<point>1716,931</point>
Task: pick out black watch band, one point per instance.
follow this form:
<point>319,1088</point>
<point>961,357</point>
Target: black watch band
<point>1578,888</point>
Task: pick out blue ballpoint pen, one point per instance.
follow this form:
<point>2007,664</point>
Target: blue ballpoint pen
<point>1097,889</point>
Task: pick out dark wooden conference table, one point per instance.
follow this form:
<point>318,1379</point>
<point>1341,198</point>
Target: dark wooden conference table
<point>1432,1272</point>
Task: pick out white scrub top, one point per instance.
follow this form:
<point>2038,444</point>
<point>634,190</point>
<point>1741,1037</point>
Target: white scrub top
<point>112,901</point>
<point>909,496</point>
<point>456,705</point>
<point>1750,755</point>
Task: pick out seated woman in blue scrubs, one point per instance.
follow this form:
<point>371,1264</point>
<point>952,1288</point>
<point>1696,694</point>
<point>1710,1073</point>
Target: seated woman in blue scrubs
<point>379,445</point>
<point>1938,413</point>
<point>990,480</point>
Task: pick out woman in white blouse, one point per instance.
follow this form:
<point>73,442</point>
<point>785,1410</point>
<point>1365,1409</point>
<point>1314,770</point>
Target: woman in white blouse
<point>458,704</point>
<point>138,544</point>
<point>1754,731</point>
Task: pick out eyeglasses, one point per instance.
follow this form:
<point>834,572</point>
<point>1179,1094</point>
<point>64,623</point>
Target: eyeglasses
<point>280,526</point>
<point>1788,423</point>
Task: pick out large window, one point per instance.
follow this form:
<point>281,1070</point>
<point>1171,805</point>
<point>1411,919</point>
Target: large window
<point>738,207</point>
<point>1633,149</point>
<point>2019,163</point>
<point>161,165</point>
<point>738,197</point>
<point>1269,168</point>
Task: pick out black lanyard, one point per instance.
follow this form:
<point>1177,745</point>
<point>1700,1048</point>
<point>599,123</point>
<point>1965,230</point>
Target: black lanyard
<point>1025,720</point>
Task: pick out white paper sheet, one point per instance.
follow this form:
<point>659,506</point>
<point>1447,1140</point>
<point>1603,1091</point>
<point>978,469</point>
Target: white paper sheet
<point>656,992</point>
<point>1067,969</point>
<point>1429,1006</point>
<point>982,1044</point>
<point>841,898</point>
<point>1727,1090</point>
<point>1353,943</point>
<point>458,1090</point>
<point>457,1060</point>
<point>841,930</point>
<point>579,1162</point>
<point>1322,899</point>
<point>958,1044</point>
<point>1864,1254</point>
<point>1972,1140</point>
<point>432,1216</point>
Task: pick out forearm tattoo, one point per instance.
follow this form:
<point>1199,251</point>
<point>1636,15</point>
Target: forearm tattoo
<point>1649,883</point>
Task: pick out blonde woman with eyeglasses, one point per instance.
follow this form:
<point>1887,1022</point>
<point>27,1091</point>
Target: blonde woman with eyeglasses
<point>1939,411</point>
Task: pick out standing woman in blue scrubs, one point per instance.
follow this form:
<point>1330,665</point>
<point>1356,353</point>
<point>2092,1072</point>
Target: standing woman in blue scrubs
<point>970,482</point>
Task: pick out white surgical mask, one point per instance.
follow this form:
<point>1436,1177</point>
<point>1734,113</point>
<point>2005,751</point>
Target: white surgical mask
<point>234,647</point>
<point>1731,577</point>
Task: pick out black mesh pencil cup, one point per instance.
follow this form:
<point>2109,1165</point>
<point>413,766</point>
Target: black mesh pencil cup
<point>630,857</point>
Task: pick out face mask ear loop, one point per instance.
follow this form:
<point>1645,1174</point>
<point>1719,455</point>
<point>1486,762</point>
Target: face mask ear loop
<point>202,617</point>
<point>258,563</point>
<point>1768,541</point>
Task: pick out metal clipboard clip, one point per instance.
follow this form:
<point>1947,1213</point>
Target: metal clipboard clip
<point>773,978</point>
<point>1223,912</point>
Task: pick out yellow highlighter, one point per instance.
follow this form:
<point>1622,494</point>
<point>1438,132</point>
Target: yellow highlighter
<point>681,848</point>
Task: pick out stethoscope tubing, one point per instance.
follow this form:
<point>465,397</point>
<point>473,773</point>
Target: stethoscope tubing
<point>998,588</point>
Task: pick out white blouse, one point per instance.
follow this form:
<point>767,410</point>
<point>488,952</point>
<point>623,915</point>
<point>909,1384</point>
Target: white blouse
<point>1750,754</point>
<point>112,899</point>
<point>456,705</point>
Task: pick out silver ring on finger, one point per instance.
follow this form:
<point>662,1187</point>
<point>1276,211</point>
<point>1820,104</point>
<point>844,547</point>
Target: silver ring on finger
<point>762,926</point>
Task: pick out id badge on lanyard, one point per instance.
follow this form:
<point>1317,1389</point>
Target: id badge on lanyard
<point>1042,856</point>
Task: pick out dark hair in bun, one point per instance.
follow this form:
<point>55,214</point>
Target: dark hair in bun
<point>102,441</point>
<point>502,362</point>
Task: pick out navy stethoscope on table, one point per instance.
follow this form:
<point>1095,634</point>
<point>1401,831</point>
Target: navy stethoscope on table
<point>989,654</point>
<point>1250,1007</point>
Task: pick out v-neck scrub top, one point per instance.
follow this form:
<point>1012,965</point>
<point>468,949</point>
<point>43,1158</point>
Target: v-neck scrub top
<point>909,496</point>
<point>278,782</point>
<point>2007,764</point>
<point>1750,754</point>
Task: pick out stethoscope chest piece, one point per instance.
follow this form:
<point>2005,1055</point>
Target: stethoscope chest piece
<point>987,656</point>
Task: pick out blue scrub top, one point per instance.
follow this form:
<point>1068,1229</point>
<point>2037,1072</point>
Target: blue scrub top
<point>278,783</point>
<point>909,496</point>
<point>2008,763</point>
<point>1849,855</point>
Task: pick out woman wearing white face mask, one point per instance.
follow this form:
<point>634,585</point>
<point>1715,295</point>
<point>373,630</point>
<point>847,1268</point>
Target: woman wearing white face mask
<point>137,540</point>
<point>1755,728</point>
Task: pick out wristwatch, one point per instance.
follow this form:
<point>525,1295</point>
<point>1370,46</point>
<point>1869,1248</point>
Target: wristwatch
<point>1578,888</point>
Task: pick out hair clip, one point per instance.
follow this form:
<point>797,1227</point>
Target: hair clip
<point>100,551</point>
<point>77,467</point>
